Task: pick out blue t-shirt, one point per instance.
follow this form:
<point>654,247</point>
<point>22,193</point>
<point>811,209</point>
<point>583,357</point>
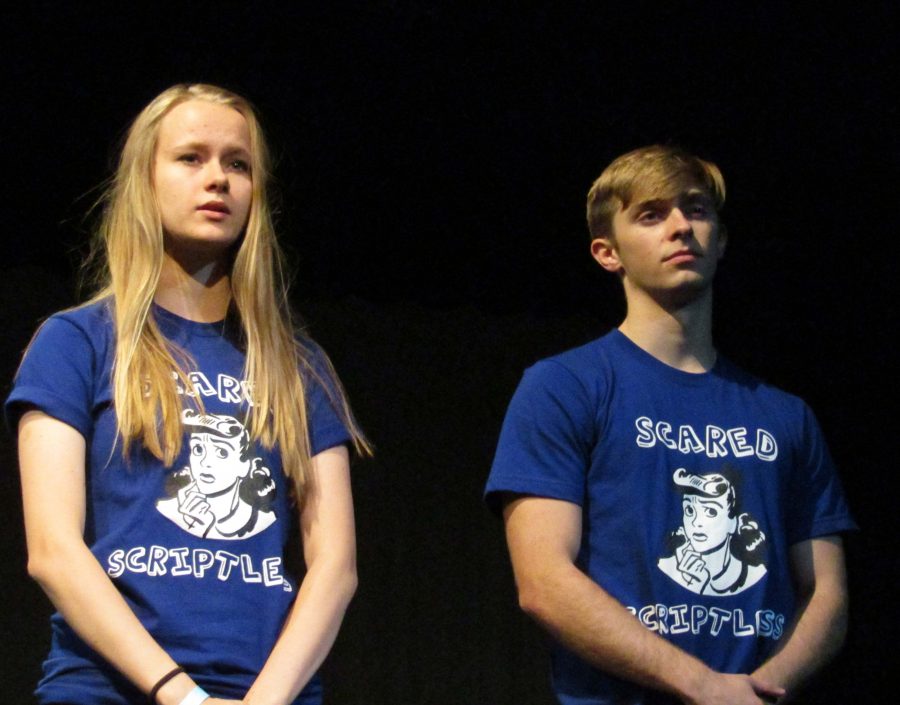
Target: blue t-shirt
<point>693,487</point>
<point>196,549</point>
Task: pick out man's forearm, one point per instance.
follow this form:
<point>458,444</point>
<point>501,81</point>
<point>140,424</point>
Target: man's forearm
<point>817,632</point>
<point>543,537</point>
<point>594,625</point>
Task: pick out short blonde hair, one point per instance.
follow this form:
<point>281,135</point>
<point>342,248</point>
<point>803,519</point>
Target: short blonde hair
<point>657,171</point>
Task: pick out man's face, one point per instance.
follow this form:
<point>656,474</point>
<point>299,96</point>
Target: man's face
<point>665,246</point>
<point>706,521</point>
<point>216,463</point>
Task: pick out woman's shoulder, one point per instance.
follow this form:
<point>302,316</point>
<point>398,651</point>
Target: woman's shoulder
<point>64,371</point>
<point>74,331</point>
<point>93,319</point>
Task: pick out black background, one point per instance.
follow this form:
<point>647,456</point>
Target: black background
<point>433,161</point>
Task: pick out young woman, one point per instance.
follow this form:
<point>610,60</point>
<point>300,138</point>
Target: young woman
<point>165,427</point>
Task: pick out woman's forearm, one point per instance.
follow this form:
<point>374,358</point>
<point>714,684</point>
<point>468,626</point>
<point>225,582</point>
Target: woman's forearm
<point>84,595</point>
<point>329,548</point>
<point>51,457</point>
<point>308,635</point>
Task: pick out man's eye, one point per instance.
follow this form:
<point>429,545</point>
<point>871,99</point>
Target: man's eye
<point>649,217</point>
<point>698,209</point>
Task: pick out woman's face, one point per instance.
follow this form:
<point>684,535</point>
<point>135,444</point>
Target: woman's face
<point>202,179</point>
<point>706,521</point>
<point>216,463</point>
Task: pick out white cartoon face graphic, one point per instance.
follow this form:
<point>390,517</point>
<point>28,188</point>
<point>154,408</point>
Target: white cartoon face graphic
<point>223,492</point>
<point>706,522</point>
<point>715,551</point>
<point>216,464</point>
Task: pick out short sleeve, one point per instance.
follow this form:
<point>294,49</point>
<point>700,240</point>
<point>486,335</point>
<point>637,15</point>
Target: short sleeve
<point>324,401</point>
<point>56,376</point>
<point>820,508</point>
<point>546,439</point>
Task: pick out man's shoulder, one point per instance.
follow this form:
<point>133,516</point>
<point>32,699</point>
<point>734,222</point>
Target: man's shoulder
<point>586,361</point>
<point>759,387</point>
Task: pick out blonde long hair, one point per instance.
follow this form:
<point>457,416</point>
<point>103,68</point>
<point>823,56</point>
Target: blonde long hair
<point>129,251</point>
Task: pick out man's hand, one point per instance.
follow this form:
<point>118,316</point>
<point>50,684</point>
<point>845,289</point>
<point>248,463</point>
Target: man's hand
<point>734,689</point>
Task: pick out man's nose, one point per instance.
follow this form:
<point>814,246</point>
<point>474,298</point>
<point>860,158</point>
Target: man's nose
<point>679,222</point>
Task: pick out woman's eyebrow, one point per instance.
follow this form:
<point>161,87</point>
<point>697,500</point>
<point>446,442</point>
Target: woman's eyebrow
<point>201,146</point>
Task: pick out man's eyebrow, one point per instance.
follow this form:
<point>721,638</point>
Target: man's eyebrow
<point>651,203</point>
<point>697,194</point>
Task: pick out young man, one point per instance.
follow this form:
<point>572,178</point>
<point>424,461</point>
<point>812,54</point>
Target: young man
<point>672,521</point>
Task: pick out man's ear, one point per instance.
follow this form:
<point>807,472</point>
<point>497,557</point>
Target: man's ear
<point>722,240</point>
<point>603,250</point>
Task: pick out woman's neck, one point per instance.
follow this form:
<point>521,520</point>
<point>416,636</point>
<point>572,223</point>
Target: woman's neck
<point>202,294</point>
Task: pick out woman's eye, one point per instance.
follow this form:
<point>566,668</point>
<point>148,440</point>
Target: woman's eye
<point>197,450</point>
<point>240,165</point>
<point>711,513</point>
<point>189,158</point>
<point>689,511</point>
<point>221,453</point>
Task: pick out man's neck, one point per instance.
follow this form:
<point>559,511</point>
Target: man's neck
<point>678,335</point>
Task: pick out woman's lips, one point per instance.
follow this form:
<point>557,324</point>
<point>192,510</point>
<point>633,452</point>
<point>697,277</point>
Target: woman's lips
<point>214,209</point>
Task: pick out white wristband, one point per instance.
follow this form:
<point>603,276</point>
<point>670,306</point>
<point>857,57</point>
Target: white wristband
<point>195,697</point>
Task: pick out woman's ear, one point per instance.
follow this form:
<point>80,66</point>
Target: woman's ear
<point>603,249</point>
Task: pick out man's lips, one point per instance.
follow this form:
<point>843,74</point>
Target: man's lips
<point>682,255</point>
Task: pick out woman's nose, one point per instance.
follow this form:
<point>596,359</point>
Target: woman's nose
<point>217,179</point>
